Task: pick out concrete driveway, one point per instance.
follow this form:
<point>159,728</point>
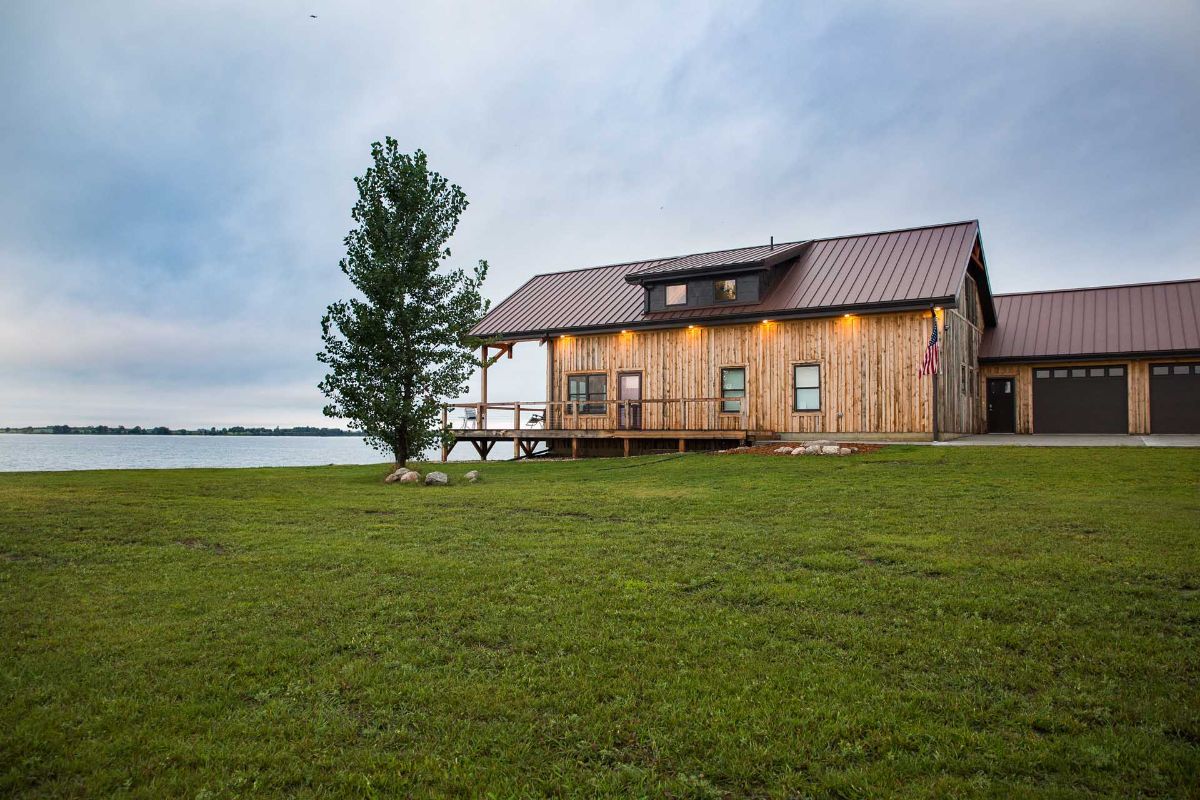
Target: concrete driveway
<point>1074,440</point>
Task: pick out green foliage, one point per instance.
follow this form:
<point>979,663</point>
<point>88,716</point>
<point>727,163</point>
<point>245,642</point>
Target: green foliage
<point>916,622</point>
<point>402,347</point>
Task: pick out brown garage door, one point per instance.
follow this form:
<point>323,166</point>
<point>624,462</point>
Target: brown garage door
<point>1080,399</point>
<point>1175,398</point>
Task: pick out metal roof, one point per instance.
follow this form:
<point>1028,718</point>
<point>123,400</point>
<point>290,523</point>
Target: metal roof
<point>903,268</point>
<point>1107,320</point>
<point>760,256</point>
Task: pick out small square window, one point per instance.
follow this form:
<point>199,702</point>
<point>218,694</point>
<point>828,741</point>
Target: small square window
<point>1061,373</point>
<point>1181,370</point>
<point>725,291</point>
<point>1041,373</point>
<point>1079,373</point>
<point>677,294</point>
<point>1116,372</point>
<point>1162,370</point>
<point>1096,372</point>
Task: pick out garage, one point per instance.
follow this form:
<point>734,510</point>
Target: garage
<point>1175,398</point>
<point>1080,399</point>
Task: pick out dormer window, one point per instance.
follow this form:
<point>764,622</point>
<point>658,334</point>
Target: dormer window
<point>725,291</point>
<point>677,294</point>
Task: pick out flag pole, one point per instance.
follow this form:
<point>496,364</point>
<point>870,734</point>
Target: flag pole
<point>933,313</point>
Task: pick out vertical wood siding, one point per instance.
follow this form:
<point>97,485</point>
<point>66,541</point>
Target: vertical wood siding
<point>869,381</point>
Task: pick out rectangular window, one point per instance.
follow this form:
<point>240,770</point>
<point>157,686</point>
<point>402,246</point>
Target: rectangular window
<point>806,387</point>
<point>1061,373</point>
<point>733,385</point>
<point>1180,369</point>
<point>1041,373</point>
<point>590,392</point>
<point>1079,373</point>
<point>677,294</point>
<point>1096,372</point>
<point>725,291</point>
<point>1161,370</point>
<point>1116,372</point>
<point>962,378</point>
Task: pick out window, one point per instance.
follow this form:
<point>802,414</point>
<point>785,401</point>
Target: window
<point>1162,370</point>
<point>725,291</point>
<point>1116,372</point>
<point>1096,372</point>
<point>590,391</point>
<point>1042,373</point>
<point>1180,370</point>
<point>733,384</point>
<point>1060,373</point>
<point>677,294</point>
<point>806,386</point>
<point>1079,373</point>
<point>962,378</point>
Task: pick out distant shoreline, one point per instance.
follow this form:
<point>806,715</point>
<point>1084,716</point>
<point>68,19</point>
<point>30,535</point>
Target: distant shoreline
<point>137,430</point>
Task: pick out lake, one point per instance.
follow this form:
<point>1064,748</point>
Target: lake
<point>22,452</point>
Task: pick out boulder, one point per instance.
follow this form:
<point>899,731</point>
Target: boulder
<point>472,476</point>
<point>410,477</point>
<point>812,449</point>
<point>437,479</point>
<point>397,475</point>
<point>829,450</point>
<point>820,443</point>
<point>844,451</point>
<point>798,451</point>
<point>783,451</point>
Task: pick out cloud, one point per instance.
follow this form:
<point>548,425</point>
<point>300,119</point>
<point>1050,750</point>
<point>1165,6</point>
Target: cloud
<point>178,181</point>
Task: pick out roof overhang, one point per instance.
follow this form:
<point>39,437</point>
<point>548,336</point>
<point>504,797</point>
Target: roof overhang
<point>649,322</point>
<point>661,274</point>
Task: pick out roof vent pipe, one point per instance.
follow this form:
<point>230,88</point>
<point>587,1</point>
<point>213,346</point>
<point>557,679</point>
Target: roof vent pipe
<point>772,242</point>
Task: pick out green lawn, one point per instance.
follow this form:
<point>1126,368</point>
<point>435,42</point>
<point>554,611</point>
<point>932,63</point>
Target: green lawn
<point>915,622</point>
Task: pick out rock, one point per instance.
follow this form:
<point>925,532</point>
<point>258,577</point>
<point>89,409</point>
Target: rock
<point>437,479</point>
<point>798,451</point>
<point>410,477</point>
<point>397,475</point>
<point>820,443</point>
<point>829,450</point>
<point>472,476</point>
<point>844,451</point>
<point>783,451</point>
<point>812,449</point>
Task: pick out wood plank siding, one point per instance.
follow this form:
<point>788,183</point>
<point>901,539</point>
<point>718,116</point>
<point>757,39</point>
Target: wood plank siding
<point>869,381</point>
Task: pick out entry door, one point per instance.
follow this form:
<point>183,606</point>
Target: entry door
<point>1001,405</point>
<point>629,387</point>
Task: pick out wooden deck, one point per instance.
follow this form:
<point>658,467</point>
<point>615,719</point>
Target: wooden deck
<point>526,440</point>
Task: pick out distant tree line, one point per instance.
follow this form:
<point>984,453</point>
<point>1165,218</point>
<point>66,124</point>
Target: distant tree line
<point>138,430</point>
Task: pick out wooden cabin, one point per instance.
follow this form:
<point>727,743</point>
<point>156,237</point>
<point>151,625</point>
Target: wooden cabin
<point>825,338</point>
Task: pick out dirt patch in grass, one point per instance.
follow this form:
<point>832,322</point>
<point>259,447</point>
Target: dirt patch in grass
<point>192,543</point>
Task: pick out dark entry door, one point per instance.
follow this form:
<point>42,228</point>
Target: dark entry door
<point>1001,405</point>
<point>1175,398</point>
<point>629,387</point>
<point>1080,399</point>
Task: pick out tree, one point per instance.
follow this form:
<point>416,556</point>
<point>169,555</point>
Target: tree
<point>403,347</point>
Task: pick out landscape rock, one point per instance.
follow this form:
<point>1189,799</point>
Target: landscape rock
<point>830,450</point>
<point>819,443</point>
<point>472,476</point>
<point>799,451</point>
<point>437,479</point>
<point>410,477</point>
<point>844,451</point>
<point>397,475</point>
<point>813,449</point>
<point>783,450</point>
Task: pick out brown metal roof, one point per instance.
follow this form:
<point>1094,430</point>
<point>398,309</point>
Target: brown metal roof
<point>764,255</point>
<point>902,268</point>
<point>1108,320</point>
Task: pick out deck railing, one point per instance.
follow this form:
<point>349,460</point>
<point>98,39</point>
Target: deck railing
<point>675,414</point>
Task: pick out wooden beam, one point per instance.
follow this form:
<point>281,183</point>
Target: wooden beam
<point>625,443</point>
<point>445,423</point>
<point>481,415</point>
<point>479,448</point>
<point>682,445</point>
<point>574,448</point>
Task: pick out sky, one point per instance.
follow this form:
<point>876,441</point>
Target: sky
<point>177,177</point>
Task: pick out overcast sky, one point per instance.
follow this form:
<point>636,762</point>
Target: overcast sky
<point>176,179</point>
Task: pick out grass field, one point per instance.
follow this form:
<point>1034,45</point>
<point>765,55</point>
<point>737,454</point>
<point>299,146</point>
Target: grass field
<point>914,622</point>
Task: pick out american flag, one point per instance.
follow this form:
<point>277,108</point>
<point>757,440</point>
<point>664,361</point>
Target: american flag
<point>929,364</point>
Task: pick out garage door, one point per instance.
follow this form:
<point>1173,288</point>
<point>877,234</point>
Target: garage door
<point>1080,400</point>
<point>1175,398</point>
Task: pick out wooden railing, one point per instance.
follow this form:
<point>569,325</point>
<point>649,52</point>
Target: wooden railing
<point>677,414</point>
